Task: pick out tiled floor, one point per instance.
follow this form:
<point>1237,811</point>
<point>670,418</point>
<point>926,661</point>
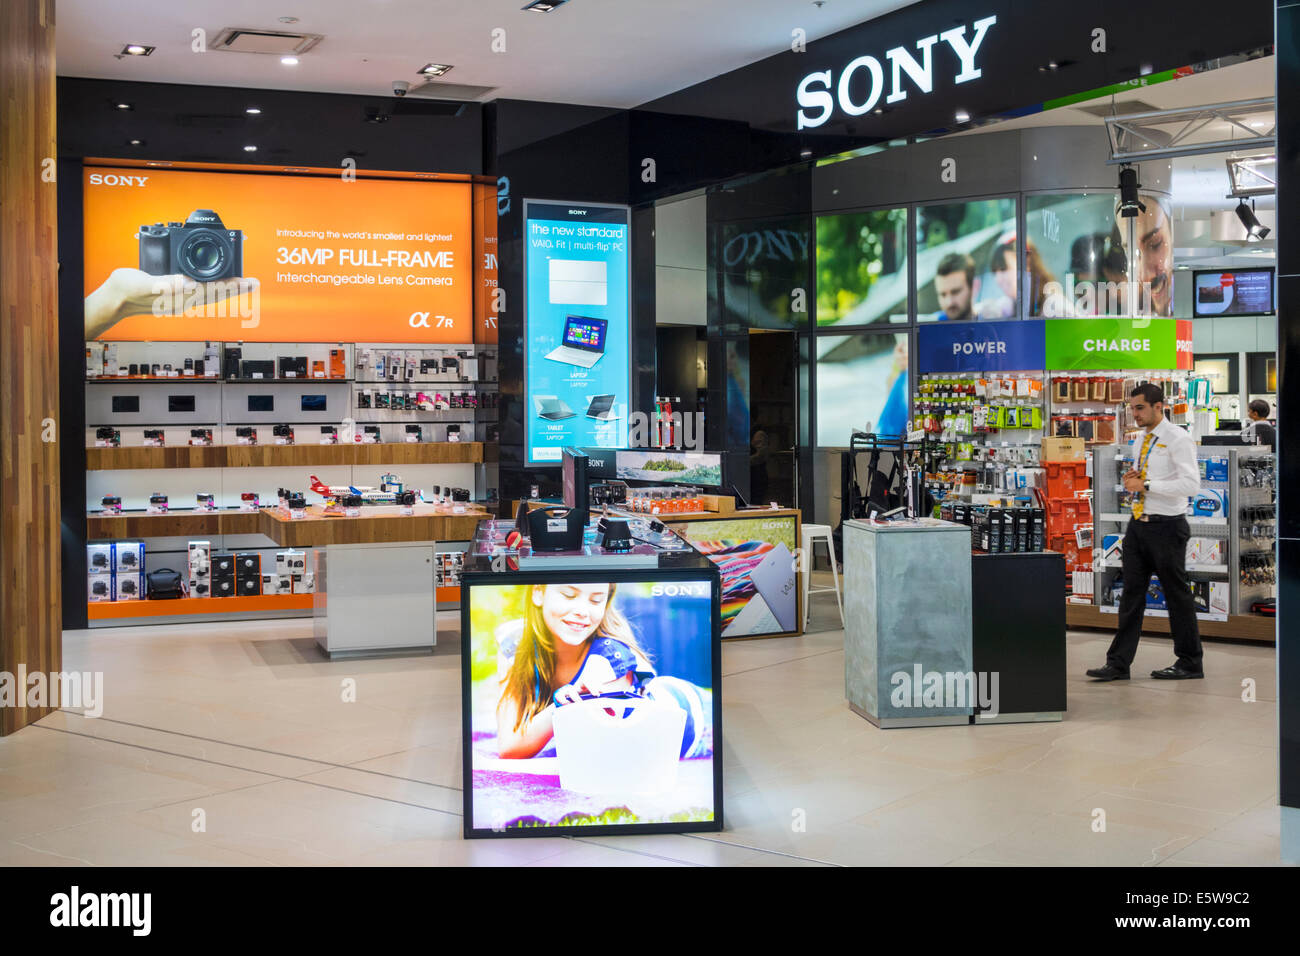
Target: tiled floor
<point>232,744</point>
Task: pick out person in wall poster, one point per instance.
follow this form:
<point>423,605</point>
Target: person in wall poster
<point>1003,265</point>
<point>1164,475</point>
<point>572,644</point>
<point>955,286</point>
<point>893,414</point>
<point>1155,251</point>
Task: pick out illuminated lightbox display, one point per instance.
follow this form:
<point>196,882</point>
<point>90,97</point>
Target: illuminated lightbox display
<point>591,704</point>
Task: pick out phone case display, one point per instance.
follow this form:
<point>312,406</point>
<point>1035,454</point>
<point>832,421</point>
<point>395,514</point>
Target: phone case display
<point>1213,513</point>
<point>1254,532</point>
<point>988,426</point>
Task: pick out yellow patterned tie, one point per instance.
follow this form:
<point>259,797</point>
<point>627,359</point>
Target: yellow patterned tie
<point>1139,503</point>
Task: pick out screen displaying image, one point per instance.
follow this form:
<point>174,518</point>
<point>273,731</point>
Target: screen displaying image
<point>671,467</point>
<point>590,704</point>
<point>576,326</point>
<point>966,261</point>
<point>862,384</point>
<point>755,557</point>
<point>1233,292</point>
<point>862,268</point>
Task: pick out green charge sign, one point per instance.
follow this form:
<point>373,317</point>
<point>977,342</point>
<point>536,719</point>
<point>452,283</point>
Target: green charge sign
<point>1112,344</point>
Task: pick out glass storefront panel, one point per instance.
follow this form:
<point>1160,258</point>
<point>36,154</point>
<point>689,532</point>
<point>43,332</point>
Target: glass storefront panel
<point>861,384</point>
<point>966,261</point>
<point>862,268</point>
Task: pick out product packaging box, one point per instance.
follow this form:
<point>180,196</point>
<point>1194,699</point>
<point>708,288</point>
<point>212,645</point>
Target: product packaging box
<point>99,558</point>
<point>1209,504</point>
<point>128,557</point>
<point>129,586</point>
<point>99,587</point>
<point>1063,449</point>
<point>200,568</point>
<point>1215,469</point>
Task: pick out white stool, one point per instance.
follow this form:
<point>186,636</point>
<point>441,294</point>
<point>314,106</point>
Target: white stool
<point>812,533</point>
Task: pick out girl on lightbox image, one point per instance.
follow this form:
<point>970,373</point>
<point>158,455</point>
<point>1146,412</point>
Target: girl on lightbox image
<point>573,643</point>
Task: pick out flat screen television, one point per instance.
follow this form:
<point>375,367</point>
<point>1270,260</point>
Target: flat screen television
<point>1232,292</point>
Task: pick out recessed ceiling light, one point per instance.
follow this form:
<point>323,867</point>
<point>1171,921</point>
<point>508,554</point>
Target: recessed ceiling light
<point>137,142</point>
<point>434,69</point>
<point>137,49</point>
<point>962,116</point>
<point>288,19</point>
<point>805,153</point>
<point>253,111</point>
<point>123,106</point>
<point>289,60</point>
<point>543,6</point>
<point>250,149</point>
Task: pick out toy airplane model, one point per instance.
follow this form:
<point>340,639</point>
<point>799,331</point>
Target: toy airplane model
<point>386,494</point>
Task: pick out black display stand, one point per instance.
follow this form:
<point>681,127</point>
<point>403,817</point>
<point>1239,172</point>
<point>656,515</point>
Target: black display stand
<point>1018,631</point>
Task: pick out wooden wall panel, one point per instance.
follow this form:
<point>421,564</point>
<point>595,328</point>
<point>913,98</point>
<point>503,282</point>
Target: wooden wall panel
<point>30,574</point>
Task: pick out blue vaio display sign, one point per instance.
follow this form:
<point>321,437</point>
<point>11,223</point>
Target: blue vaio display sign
<point>577,299</point>
<point>981,347</point>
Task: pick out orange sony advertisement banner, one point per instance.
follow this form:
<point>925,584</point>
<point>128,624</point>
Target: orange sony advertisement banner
<point>177,255</point>
<point>487,298</point>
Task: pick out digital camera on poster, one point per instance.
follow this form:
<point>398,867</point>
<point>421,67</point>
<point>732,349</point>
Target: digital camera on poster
<point>590,704</point>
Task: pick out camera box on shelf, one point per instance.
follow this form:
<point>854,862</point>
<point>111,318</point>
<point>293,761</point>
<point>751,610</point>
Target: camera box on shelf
<point>99,587</point>
<point>129,586</point>
<point>128,557</point>
<point>99,558</point>
<point>199,565</point>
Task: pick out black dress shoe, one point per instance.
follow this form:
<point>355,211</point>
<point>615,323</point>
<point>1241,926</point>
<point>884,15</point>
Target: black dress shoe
<point>1109,672</point>
<point>1177,672</point>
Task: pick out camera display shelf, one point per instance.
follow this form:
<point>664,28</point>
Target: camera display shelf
<point>179,523</point>
<point>287,456</point>
<point>189,606</point>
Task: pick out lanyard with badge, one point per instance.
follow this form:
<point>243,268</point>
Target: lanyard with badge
<point>1144,454</point>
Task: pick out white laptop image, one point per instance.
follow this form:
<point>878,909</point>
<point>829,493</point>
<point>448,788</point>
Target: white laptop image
<point>583,343</point>
<point>576,282</point>
<point>601,407</point>
<point>552,408</point>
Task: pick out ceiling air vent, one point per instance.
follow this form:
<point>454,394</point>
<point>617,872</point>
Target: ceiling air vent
<point>271,42</point>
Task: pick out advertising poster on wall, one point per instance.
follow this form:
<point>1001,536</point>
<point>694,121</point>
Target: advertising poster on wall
<point>578,378</point>
<point>861,384</point>
<point>966,261</point>
<point>487,299</point>
<point>755,556</point>
<point>862,268</point>
<point>174,254</point>
<point>591,704</point>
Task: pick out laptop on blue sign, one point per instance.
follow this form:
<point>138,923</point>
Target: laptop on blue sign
<point>583,343</point>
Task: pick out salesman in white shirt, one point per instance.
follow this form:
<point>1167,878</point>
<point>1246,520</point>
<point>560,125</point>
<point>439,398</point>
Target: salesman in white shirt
<point>1164,475</point>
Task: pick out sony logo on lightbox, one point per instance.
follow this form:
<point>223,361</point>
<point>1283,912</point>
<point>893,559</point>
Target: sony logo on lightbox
<point>814,90</point>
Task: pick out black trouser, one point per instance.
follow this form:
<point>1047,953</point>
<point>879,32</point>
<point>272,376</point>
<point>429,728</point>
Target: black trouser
<point>1160,548</point>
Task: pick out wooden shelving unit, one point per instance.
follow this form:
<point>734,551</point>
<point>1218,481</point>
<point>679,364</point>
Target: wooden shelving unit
<point>174,524</point>
<point>285,456</point>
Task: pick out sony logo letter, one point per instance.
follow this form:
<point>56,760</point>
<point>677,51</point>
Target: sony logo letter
<point>814,90</point>
<point>673,590</point>
<point>112,179</point>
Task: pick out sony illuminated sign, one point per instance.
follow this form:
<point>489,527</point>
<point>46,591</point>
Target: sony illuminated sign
<point>814,90</point>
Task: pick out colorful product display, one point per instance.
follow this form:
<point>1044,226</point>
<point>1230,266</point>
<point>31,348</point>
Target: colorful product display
<point>590,704</point>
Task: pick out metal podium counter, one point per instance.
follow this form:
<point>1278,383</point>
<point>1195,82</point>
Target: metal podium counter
<point>907,612</point>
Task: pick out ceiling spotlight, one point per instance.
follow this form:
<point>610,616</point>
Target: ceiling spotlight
<point>962,116</point>
<point>124,106</point>
<point>543,6</point>
<point>137,142</point>
<point>1049,66</point>
<point>434,69</point>
<point>288,19</point>
<point>289,60</point>
<point>250,149</point>
<point>253,111</point>
<point>1129,204</point>
<point>805,154</point>
<point>1255,231</point>
<point>136,49</point>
